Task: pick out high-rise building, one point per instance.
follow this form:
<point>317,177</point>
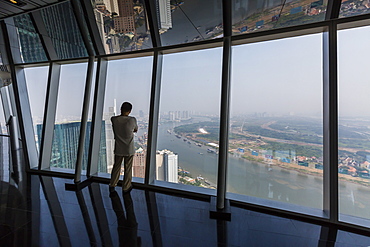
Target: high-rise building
<point>164,15</point>
<point>109,138</point>
<point>114,6</point>
<point>167,166</point>
<point>138,169</point>
<point>141,114</point>
<point>125,22</point>
<point>185,114</point>
<point>65,145</point>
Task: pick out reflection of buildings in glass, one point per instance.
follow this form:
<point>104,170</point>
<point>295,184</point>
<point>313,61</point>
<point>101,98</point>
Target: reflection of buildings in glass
<point>32,50</point>
<point>113,43</point>
<point>99,17</point>
<point>167,166</point>
<point>125,22</point>
<point>139,163</point>
<point>164,15</point>
<point>107,5</point>
<point>65,145</point>
<point>67,43</point>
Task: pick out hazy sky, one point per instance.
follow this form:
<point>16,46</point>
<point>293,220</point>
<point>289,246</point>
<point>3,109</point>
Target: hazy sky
<point>192,81</point>
<point>278,77</point>
<point>353,67</point>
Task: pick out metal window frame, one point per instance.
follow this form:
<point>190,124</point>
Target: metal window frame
<point>45,39</point>
<point>49,115</point>
<point>225,107</point>
<point>330,117</point>
<point>150,172</point>
<point>83,29</point>
<point>84,118</point>
<point>151,11</point>
<point>95,134</point>
<point>92,27</point>
<point>20,104</point>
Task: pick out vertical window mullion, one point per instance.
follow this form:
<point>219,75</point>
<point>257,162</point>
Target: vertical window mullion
<point>330,103</point>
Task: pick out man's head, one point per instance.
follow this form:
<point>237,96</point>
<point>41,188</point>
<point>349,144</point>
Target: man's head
<point>126,108</point>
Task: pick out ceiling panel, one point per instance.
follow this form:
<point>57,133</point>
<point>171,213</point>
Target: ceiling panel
<point>14,7</point>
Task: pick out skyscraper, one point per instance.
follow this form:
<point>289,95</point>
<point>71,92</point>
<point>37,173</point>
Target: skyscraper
<point>125,22</point>
<point>109,135</point>
<point>139,163</point>
<point>167,166</point>
<point>164,15</point>
<point>65,145</point>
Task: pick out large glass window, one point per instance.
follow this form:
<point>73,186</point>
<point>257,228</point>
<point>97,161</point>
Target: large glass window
<point>68,116</point>
<point>275,134</point>
<point>122,25</point>
<point>128,80</point>
<point>250,16</point>
<point>36,80</point>
<point>354,122</point>
<point>187,147</point>
<point>189,21</point>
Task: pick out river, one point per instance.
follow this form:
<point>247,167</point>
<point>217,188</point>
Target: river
<point>255,179</point>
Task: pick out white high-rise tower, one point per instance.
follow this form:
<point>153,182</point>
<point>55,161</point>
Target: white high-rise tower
<point>167,166</point>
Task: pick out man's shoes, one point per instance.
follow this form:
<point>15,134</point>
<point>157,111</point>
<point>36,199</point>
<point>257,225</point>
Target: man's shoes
<point>113,194</point>
<point>112,189</point>
<point>127,191</point>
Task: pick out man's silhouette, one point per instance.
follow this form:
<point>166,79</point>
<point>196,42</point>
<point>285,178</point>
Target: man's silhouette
<point>124,127</point>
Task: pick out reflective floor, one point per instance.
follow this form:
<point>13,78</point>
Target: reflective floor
<point>52,216</point>
<point>38,211</point>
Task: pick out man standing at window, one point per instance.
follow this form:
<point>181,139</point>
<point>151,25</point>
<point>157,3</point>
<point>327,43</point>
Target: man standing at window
<point>124,127</point>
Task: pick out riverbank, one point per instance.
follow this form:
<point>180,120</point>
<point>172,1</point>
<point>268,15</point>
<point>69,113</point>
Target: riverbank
<point>309,170</point>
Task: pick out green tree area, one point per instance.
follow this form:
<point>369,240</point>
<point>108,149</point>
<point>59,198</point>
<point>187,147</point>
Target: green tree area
<point>301,125</point>
<point>183,181</point>
<point>257,130</point>
<point>300,150</point>
<point>354,143</point>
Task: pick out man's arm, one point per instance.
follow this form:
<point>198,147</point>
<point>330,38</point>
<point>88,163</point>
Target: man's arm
<point>135,128</point>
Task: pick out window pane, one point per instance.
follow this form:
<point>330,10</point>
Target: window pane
<point>352,7</point>
<point>63,30</point>
<point>122,25</point>
<point>128,80</point>
<point>36,80</point>
<point>68,116</point>
<point>188,133</point>
<point>353,123</point>
<point>259,15</point>
<point>189,21</point>
<point>31,48</point>
<point>275,135</point>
